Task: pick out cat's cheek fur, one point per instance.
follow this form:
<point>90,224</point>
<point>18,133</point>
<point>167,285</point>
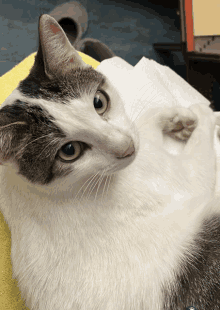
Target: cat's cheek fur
<point>89,165</point>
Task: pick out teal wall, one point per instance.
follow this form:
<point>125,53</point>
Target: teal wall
<point>129,29</point>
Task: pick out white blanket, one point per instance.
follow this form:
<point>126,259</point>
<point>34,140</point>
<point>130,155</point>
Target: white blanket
<point>148,85</point>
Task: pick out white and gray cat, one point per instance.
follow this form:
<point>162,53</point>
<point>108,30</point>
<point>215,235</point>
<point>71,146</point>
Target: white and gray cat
<point>101,216</point>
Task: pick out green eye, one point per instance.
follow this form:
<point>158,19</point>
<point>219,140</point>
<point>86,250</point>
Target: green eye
<point>70,151</point>
<point>100,102</point>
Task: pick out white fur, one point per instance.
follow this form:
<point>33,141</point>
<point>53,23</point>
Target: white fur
<point>117,248</point>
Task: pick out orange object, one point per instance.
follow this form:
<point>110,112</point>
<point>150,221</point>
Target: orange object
<point>189,25</point>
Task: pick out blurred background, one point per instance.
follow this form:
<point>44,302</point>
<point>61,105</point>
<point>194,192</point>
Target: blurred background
<point>155,29</point>
<point>129,29</point>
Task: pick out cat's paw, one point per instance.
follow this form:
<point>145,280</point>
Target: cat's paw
<point>179,122</point>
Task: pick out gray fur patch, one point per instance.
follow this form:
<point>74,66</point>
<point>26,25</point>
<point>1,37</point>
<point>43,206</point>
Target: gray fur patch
<point>198,282</point>
<point>72,85</point>
<point>34,144</point>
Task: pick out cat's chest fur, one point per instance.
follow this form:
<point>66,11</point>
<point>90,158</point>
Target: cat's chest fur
<point>115,249</point>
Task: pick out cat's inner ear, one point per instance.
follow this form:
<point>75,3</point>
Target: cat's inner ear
<point>59,56</point>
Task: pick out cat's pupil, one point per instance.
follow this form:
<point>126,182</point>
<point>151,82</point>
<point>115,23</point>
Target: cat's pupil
<point>68,149</point>
<point>97,103</point>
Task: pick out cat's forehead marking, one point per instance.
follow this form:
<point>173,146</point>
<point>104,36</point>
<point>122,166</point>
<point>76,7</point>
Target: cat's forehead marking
<point>37,101</point>
<point>67,117</point>
<point>73,85</point>
<point>35,157</point>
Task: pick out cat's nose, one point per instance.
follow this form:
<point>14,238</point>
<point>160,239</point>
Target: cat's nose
<point>130,151</point>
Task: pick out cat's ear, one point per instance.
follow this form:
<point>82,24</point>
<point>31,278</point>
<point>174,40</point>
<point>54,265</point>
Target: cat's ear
<point>59,56</point>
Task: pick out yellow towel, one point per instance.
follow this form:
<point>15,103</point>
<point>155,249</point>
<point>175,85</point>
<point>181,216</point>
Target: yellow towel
<point>10,298</point>
<point>9,81</point>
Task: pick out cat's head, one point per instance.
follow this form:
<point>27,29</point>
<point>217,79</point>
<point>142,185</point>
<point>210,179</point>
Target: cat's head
<point>65,120</point>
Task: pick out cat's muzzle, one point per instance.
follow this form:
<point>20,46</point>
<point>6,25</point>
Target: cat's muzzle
<point>129,152</point>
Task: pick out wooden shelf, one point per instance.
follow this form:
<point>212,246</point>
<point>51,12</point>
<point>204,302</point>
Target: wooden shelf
<point>168,47</point>
<point>178,47</point>
<point>202,71</point>
<point>203,56</point>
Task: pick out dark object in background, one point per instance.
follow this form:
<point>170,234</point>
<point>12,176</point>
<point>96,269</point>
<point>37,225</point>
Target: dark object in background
<point>95,49</point>
<point>129,29</point>
<point>73,18</point>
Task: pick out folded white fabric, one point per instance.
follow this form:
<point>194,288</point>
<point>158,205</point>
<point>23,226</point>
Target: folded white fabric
<point>150,85</point>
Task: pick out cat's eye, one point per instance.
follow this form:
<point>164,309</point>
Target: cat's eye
<point>100,102</point>
<point>70,151</point>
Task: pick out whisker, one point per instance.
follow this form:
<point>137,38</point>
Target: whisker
<point>140,98</point>
<point>133,119</point>
<point>75,198</point>
<point>144,107</point>
<point>124,181</point>
<point>109,183</point>
<point>16,123</point>
<point>148,119</point>
<point>83,186</point>
<point>34,141</point>
<point>134,103</point>
<point>91,179</point>
<point>100,181</point>
<point>92,188</point>
<point>104,187</point>
<point>51,142</point>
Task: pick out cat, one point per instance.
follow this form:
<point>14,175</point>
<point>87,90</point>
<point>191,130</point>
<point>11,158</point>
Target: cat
<point>101,216</point>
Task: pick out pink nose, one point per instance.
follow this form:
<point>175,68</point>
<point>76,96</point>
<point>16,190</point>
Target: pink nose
<point>130,150</point>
